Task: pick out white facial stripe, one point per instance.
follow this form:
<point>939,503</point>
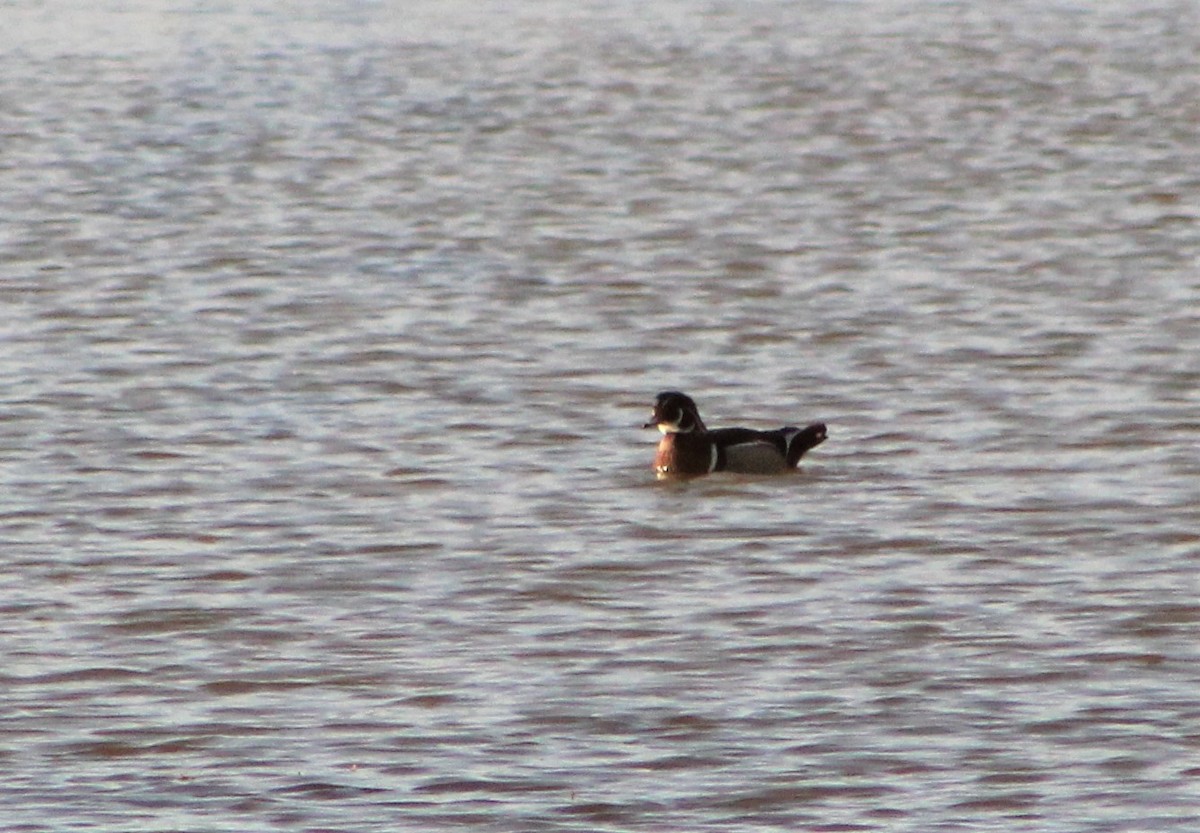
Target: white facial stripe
<point>671,427</point>
<point>712,458</point>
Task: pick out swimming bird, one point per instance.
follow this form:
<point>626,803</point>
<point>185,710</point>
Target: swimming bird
<point>688,448</point>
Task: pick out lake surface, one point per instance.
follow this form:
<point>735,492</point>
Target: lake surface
<point>328,329</point>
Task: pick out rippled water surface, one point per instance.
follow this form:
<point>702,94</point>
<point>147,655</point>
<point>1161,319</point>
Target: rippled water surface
<point>328,329</point>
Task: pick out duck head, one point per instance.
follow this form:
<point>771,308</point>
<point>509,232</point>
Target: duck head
<point>675,413</point>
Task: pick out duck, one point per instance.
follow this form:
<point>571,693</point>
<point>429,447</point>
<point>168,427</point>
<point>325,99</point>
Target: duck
<point>688,448</point>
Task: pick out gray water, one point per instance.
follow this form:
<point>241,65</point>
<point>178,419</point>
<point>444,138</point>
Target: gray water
<point>328,329</point>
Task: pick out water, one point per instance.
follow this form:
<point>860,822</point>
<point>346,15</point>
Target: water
<point>328,329</point>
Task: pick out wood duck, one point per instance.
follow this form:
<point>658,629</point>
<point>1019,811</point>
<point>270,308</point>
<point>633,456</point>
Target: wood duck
<point>688,448</point>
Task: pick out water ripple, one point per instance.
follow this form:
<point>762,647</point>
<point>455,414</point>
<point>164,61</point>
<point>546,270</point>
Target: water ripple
<point>328,335</point>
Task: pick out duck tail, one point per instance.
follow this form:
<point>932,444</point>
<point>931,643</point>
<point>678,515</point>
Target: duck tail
<point>802,440</point>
